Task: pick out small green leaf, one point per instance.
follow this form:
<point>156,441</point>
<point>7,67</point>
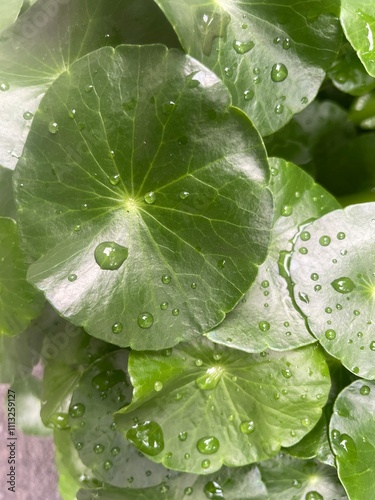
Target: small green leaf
<point>20,302</point>
<point>334,278</point>
<point>288,478</point>
<point>352,429</point>
<point>358,21</point>
<point>103,389</point>
<point>48,38</point>
<point>272,56</point>
<point>168,221</point>
<point>267,317</point>
<point>260,402</point>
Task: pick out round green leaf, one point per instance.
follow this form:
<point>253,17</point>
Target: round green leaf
<point>288,478</point>
<point>19,301</point>
<point>334,275</point>
<point>203,405</point>
<point>231,482</point>
<point>103,389</point>
<point>49,38</point>
<point>358,21</point>
<point>352,431</point>
<point>268,317</point>
<point>167,221</point>
<point>272,56</point>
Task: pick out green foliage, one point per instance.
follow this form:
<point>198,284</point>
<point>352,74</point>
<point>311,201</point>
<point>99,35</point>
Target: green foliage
<point>167,182</point>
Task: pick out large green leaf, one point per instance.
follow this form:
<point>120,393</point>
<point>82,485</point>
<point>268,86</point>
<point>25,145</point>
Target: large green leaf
<point>204,405</point>
<point>103,389</point>
<point>358,21</point>
<point>333,271</point>
<point>272,56</point>
<point>20,302</point>
<point>48,38</point>
<point>232,484</point>
<point>9,11</point>
<point>268,318</point>
<point>169,221</point>
<point>288,478</point>
<point>352,431</point>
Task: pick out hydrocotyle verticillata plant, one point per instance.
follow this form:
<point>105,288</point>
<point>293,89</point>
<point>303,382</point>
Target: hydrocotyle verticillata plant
<point>176,247</point>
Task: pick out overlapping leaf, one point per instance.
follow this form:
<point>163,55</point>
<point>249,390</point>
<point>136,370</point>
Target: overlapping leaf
<point>103,389</point>
<point>334,275</point>
<point>20,302</point>
<point>168,220</point>
<point>8,12</point>
<point>205,405</point>
<point>48,38</point>
<point>235,484</point>
<point>272,56</point>
<point>352,432</point>
<point>268,318</point>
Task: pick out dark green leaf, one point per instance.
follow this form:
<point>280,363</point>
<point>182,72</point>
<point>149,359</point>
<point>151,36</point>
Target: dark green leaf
<point>288,478</point>
<point>311,135</point>
<point>272,56</point>
<point>103,389</point>
<point>20,302</point>
<point>236,484</point>
<point>348,74</point>
<point>268,318</point>
<point>168,221</point>
<point>48,38</point>
<point>241,407</point>
<point>358,21</point>
<point>352,431</point>
<point>7,206</point>
<point>333,272</point>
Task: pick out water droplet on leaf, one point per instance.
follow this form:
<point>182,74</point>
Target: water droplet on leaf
<point>208,445</point>
<point>279,72</point>
<point>145,320</point>
<point>110,255</point>
<point>147,437</point>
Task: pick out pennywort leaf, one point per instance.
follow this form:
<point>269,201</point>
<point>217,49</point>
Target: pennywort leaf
<point>352,438</point>
<point>242,407</point>
<point>333,271</point>
<point>267,317</point>
<point>170,221</point>
<point>272,56</point>
<point>48,39</point>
